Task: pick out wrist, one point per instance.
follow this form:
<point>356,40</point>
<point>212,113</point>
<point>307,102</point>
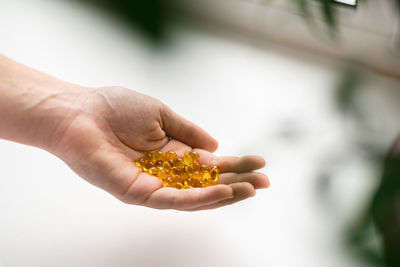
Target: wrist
<point>34,107</point>
<point>58,104</point>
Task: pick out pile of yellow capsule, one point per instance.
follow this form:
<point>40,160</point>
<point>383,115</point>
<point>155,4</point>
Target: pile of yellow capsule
<point>180,173</point>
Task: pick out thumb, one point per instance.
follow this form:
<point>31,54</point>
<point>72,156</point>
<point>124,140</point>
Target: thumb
<point>185,131</point>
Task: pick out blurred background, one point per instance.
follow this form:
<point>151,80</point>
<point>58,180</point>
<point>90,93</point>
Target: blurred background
<point>313,86</point>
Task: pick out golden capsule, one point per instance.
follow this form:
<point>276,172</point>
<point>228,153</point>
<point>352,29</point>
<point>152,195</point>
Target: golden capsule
<point>153,171</point>
<point>194,155</point>
<point>179,163</point>
<point>175,171</point>
<point>169,181</point>
<point>188,182</point>
<point>137,163</point>
<point>148,165</point>
<point>148,157</point>
<point>162,175</point>
<point>197,183</point>
<point>170,155</point>
<point>141,161</point>
<point>184,175</point>
<point>166,166</point>
<point>187,159</point>
<point>157,155</point>
<point>178,185</point>
<point>189,170</point>
<point>206,175</point>
<point>178,179</point>
<point>196,166</point>
<point>204,168</point>
<point>197,175</point>
<point>214,173</point>
<point>158,163</point>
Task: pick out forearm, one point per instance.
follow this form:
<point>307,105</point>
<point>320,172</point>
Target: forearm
<point>33,105</point>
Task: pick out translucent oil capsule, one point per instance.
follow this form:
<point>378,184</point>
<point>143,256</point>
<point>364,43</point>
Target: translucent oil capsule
<point>178,185</point>
<point>153,171</point>
<point>196,166</point>
<point>187,159</point>
<point>158,163</point>
<point>142,161</point>
<point>188,182</point>
<point>148,165</point>
<point>138,164</point>
<point>197,183</point>
<point>197,175</point>
<point>170,155</point>
<point>162,175</point>
<point>206,175</point>
<point>148,157</point>
<point>157,155</point>
<point>179,163</point>
<point>194,155</point>
<point>189,170</point>
<point>214,173</point>
<point>204,168</point>
<point>166,166</point>
<point>169,182</point>
<point>184,175</point>
<point>185,186</point>
<point>175,171</point>
<point>178,179</point>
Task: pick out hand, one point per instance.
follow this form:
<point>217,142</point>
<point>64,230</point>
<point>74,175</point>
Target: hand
<point>111,127</point>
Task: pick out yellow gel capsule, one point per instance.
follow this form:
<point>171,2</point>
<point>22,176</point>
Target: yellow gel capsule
<point>189,170</point>
<point>166,166</point>
<point>142,161</point>
<point>187,159</point>
<point>194,155</point>
<point>197,183</point>
<point>184,175</point>
<point>157,155</point>
<point>158,163</point>
<point>214,173</point>
<point>148,157</point>
<point>170,155</point>
<point>153,171</point>
<point>188,182</point>
<point>137,164</point>
<point>197,175</point>
<point>185,186</point>
<point>175,171</point>
<point>206,175</point>
<point>196,166</point>
<point>179,163</point>
<point>148,165</point>
<point>162,175</point>
<point>204,168</point>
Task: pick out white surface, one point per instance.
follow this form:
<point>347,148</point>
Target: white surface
<point>244,96</point>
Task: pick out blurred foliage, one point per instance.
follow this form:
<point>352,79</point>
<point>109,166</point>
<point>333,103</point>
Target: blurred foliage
<point>328,10</point>
<point>382,216</point>
<point>150,17</point>
<point>153,17</point>
<point>385,207</point>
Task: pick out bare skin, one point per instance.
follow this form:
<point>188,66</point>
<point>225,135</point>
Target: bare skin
<point>99,132</point>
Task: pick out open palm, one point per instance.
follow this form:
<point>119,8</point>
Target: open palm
<point>115,126</point>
